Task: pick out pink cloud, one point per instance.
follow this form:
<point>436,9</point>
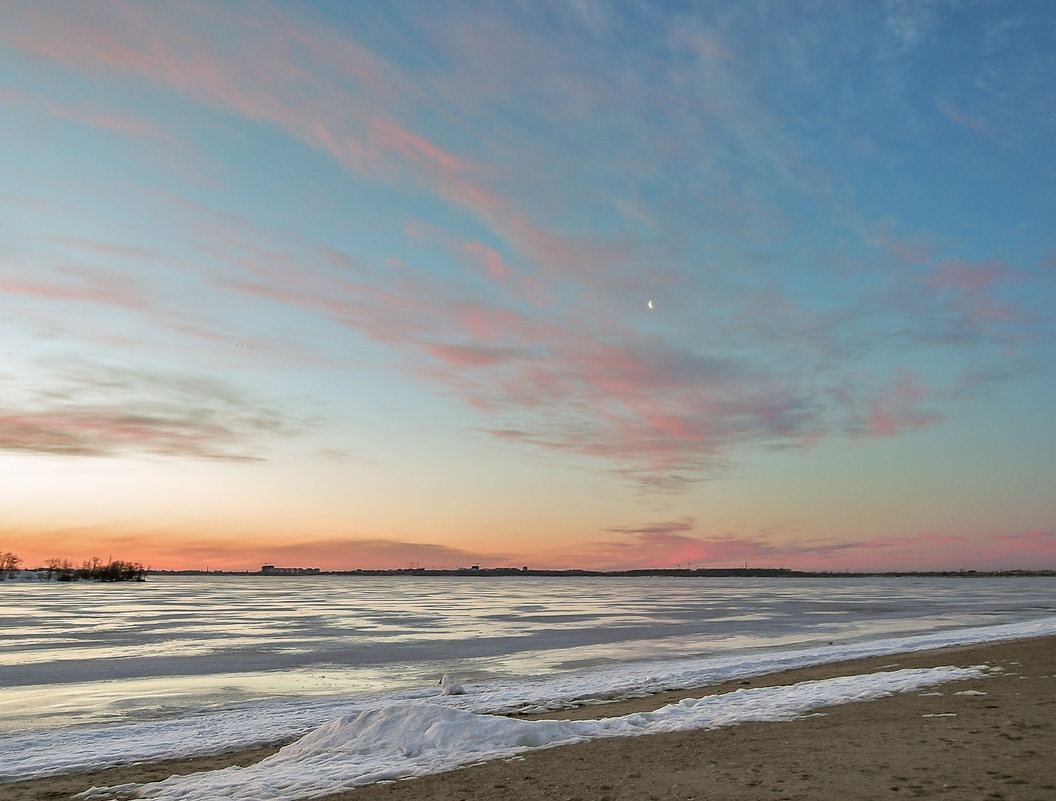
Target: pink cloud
<point>293,72</point>
<point>88,286</point>
<point>123,122</point>
<point>971,276</point>
<point>109,248</point>
<point>639,402</point>
<point>899,409</point>
<point>277,69</point>
<point>69,280</point>
<point>658,413</point>
<point>389,134</point>
<point>1026,549</point>
<point>468,355</point>
<point>970,290</point>
<point>587,383</point>
<point>957,306</point>
<point>945,551</point>
<point>497,324</point>
<point>493,263</point>
<point>486,258</point>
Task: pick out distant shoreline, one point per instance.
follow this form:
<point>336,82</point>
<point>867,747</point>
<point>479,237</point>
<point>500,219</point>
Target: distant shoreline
<point>750,572</point>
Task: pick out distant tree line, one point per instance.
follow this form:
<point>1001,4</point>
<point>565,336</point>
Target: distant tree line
<point>94,569</point>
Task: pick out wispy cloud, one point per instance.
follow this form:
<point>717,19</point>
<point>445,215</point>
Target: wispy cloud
<point>645,403</point>
<point>104,412</point>
<point>81,284</point>
<point>901,408</point>
<point>658,412</point>
<point>680,543</point>
<point>1021,549</point>
<point>537,320</point>
<point>122,122</point>
<point>673,544</point>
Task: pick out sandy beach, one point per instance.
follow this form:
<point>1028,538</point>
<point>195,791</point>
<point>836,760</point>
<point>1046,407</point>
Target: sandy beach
<point>990,738</point>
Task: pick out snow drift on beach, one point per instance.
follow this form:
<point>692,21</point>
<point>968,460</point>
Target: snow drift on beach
<point>420,739</point>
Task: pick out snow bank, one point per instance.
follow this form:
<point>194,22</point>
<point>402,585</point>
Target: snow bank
<point>420,739</point>
<point>26,575</point>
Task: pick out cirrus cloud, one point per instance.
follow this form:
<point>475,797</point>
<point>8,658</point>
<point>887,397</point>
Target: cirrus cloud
<point>105,411</point>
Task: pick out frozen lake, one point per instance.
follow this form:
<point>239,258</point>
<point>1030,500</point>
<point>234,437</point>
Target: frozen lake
<point>87,653</point>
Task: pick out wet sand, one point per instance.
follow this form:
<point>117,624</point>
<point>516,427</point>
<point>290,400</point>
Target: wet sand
<point>928,744</point>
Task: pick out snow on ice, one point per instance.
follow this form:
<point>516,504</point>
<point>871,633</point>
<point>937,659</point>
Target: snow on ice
<point>420,739</point>
<point>56,751</point>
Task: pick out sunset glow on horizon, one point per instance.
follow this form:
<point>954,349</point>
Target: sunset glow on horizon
<point>565,285</point>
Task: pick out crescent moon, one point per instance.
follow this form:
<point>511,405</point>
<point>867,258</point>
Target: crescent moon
<point>650,304</point>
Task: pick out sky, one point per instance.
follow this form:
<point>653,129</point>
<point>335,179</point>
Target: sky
<point>572,284</point>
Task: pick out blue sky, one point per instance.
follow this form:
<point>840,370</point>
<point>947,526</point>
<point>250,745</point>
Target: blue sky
<point>363,286</point>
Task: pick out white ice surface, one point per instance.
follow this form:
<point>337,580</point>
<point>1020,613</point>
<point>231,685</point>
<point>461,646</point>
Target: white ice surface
<point>420,739</point>
<point>56,751</point>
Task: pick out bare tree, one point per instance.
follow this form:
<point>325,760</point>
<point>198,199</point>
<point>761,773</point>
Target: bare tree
<point>8,561</point>
<point>62,567</point>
